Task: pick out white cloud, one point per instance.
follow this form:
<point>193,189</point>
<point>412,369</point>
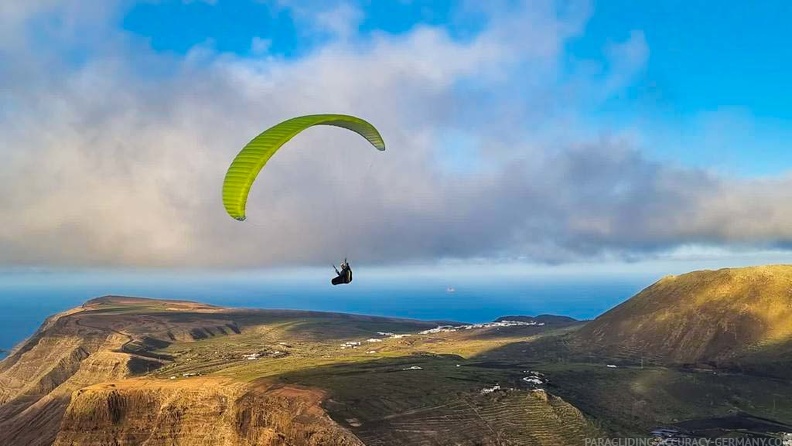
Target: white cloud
<point>260,46</point>
<point>120,159</point>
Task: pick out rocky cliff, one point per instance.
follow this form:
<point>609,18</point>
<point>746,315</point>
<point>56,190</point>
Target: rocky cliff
<point>198,411</point>
<point>49,391</point>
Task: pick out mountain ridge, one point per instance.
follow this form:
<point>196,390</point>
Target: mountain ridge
<point>717,317</point>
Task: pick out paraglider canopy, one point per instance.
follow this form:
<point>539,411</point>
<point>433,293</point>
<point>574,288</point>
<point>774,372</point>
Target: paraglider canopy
<point>252,158</point>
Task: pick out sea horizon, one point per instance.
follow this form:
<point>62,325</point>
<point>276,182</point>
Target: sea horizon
<point>28,297</point>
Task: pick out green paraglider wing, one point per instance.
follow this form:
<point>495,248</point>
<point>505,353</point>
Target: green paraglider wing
<point>249,162</point>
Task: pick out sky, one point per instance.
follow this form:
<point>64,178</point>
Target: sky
<point>565,133</point>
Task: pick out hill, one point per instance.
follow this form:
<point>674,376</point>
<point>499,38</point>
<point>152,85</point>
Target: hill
<point>736,318</point>
<point>125,371</point>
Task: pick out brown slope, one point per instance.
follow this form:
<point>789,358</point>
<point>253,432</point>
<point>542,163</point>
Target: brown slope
<point>111,338</point>
<point>704,316</point>
<point>77,348</point>
<point>199,411</point>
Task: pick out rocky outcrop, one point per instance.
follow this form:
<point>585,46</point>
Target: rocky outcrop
<point>72,383</point>
<point>37,380</point>
<point>198,411</point>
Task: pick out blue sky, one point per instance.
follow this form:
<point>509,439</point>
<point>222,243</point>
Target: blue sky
<point>704,56</point>
<point>232,25</point>
<point>519,131</point>
<point>710,69</point>
<point>733,59</point>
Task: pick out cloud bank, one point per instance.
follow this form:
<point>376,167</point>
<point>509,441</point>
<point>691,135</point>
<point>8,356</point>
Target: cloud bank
<point>114,154</point>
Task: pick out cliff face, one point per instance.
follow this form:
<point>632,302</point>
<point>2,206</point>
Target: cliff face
<point>36,381</point>
<point>198,411</point>
<point>72,383</point>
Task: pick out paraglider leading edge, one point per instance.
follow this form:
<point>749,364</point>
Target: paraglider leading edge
<point>251,159</point>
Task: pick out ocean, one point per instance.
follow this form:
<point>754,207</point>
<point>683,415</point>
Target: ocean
<point>28,297</point>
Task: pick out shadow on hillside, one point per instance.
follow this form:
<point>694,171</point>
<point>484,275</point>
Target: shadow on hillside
<point>416,398</point>
<point>632,398</point>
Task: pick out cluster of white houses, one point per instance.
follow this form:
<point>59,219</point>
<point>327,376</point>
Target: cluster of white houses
<point>534,379</point>
<point>356,344</point>
<point>253,356</point>
<point>448,328</point>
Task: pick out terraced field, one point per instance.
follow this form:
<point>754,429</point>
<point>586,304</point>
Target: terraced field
<point>503,418</point>
<point>633,400</point>
<point>385,402</point>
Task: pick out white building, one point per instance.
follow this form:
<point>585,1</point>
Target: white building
<point>491,389</point>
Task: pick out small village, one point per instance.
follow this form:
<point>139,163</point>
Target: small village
<point>264,354</point>
<point>386,335</point>
<point>533,380</point>
<point>499,324</point>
